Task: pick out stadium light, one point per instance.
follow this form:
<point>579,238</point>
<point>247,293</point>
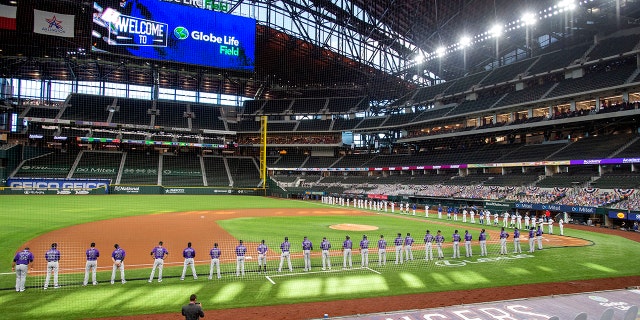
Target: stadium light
<point>440,51</point>
<point>528,19</point>
<point>567,4</point>
<point>465,41</point>
<point>496,30</point>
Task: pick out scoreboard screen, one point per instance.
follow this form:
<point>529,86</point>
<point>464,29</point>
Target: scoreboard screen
<point>152,29</point>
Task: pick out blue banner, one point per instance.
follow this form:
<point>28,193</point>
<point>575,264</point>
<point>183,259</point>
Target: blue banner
<point>625,215</point>
<point>31,184</point>
<point>156,30</point>
<point>555,207</point>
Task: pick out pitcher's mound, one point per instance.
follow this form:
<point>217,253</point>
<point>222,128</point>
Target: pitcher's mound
<point>353,227</point>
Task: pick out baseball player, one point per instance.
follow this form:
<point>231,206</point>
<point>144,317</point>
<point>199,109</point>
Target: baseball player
<point>464,215</point>
<point>496,219</point>
<point>487,215</point>
<point>539,233</point>
<point>472,216</point>
<point>241,251</point>
<point>516,241</point>
<point>364,251</point>
<point>52,256</point>
<point>382,251</point>
<point>550,225</point>
<point>455,214</point>
<point>307,246</point>
<point>449,212</point>
<point>91,265</point>
<point>158,253</point>
<point>285,247</point>
<point>189,253</point>
<point>527,219</point>
<point>532,237</point>
<point>408,251</point>
<point>439,212</point>
<point>262,257</point>
<point>117,256</point>
<point>20,264</point>
<point>325,245</point>
<point>481,217</point>
<point>467,244</point>
<point>505,219</point>
<point>483,243</point>
<point>347,245</point>
<point>456,244</point>
<point>426,211</point>
<point>398,243</point>
<point>439,242</point>
<point>215,254</point>
<point>413,208</point>
<point>561,226</point>
<point>428,246</point>
<point>503,240</point>
<point>518,220</point>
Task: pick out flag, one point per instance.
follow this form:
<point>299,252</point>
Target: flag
<point>53,24</point>
<point>8,17</point>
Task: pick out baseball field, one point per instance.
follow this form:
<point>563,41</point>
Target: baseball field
<point>138,222</point>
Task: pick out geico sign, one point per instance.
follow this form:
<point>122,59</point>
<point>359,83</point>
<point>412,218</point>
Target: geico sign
<point>56,185</point>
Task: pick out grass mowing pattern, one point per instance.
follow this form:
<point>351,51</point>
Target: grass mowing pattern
<point>28,216</point>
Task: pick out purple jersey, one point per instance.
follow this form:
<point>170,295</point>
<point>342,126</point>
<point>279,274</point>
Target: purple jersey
<point>539,232</point>
<point>325,245</point>
<point>241,250</point>
<point>262,248</point>
<point>482,236</point>
<point>439,239</point>
<point>347,244</point>
<point>408,241</point>
<point>504,235</point>
<point>189,253</point>
<point>516,233</point>
<point>364,244</point>
<point>397,241</point>
<point>118,254</point>
<point>285,246</point>
<point>215,253</point>
<point>307,245</point>
<point>382,244</point>
<point>159,252</point>
<point>92,254</point>
<point>468,237</point>
<point>23,257</point>
<point>532,233</point>
<point>52,255</point>
<point>455,237</point>
<point>428,238</point>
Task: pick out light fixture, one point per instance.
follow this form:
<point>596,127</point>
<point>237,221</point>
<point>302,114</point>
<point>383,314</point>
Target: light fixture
<point>440,51</point>
<point>528,18</point>
<point>496,30</point>
<point>465,41</point>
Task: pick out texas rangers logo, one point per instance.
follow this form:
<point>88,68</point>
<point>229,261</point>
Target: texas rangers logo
<point>54,23</point>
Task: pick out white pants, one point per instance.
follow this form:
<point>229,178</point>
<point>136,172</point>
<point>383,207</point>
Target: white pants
<point>113,271</point>
<point>539,242</point>
<point>428,251</point>
<point>408,253</point>
<point>440,253</point>
<point>532,246</point>
<point>467,249</point>
<point>189,262</point>
<point>307,259</point>
<point>52,266</point>
<point>239,265</point>
<point>483,248</point>
<point>21,276</point>
<point>214,263</point>
<point>516,245</point>
<point>262,260</point>
<point>365,257</point>
<point>382,256</point>
<point>561,230</point>
<point>456,249</point>
<point>326,260</point>
<point>157,263</point>
<point>503,245</point>
<point>346,256</point>
<point>283,256</point>
<point>398,254</point>
<point>91,265</point>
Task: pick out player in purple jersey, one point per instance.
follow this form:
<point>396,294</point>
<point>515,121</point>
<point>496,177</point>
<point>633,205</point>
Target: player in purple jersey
<point>539,233</point>
<point>467,244</point>
<point>262,257</point>
<point>408,243</point>
<point>532,239</point>
<point>382,251</point>
<point>52,256</point>
<point>285,247</point>
<point>241,251</point>
<point>92,264</point>
<point>503,241</point>
<point>439,242</point>
<point>516,241</point>
<point>158,253</point>
<point>456,244</point>
<point>117,256</point>
<point>347,245</point>
<point>325,245</point>
<point>215,254</point>
<point>189,254</point>
<point>398,243</point>
<point>364,251</point>
<point>428,246</point>
<point>20,264</point>
<point>483,243</point>
<point>307,246</point>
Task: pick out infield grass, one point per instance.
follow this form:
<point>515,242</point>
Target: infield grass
<point>25,217</point>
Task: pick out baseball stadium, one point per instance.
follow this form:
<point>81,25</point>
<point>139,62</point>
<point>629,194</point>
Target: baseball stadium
<point>320,159</point>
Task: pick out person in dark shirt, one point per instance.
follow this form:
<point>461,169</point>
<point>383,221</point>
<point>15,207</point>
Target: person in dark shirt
<point>193,310</point>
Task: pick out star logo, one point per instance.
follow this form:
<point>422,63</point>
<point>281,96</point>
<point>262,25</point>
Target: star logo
<point>54,23</point>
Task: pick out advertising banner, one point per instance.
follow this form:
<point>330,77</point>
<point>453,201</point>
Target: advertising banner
<point>53,24</point>
<point>624,215</point>
<point>35,184</point>
<point>151,29</point>
<point>556,207</point>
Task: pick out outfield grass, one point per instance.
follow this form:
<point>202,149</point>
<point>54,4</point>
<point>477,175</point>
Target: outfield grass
<point>28,216</point>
